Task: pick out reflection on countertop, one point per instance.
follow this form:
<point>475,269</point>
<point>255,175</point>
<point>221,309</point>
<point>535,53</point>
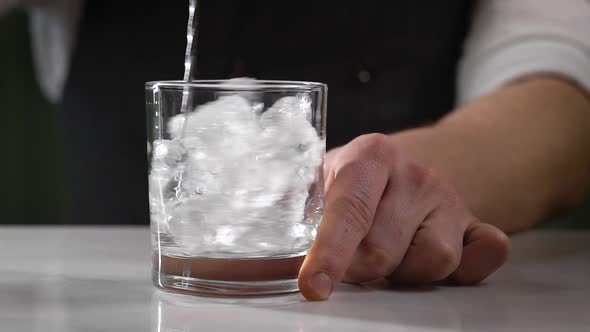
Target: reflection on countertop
<point>97,279</point>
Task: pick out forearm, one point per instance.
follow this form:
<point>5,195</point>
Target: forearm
<point>517,156</point>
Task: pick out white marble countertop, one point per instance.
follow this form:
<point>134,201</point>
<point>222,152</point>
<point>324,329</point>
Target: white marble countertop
<point>97,279</point>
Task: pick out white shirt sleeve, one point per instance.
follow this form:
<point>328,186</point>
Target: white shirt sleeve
<point>6,5</point>
<point>513,38</point>
<point>53,26</point>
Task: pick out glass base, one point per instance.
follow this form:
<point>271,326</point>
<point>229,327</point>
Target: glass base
<point>205,287</point>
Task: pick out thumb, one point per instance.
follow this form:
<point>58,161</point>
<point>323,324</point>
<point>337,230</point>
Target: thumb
<point>486,249</point>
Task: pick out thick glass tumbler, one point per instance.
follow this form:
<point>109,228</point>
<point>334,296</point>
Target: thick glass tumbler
<point>235,183</point>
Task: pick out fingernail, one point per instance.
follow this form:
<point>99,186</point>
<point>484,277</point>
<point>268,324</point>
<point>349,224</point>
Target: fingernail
<point>322,285</point>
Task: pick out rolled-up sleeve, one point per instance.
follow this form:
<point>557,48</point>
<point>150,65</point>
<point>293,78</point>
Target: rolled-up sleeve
<point>510,39</point>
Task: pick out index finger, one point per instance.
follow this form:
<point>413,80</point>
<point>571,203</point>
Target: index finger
<point>350,206</point>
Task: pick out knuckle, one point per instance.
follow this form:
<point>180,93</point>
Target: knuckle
<point>355,207</point>
<point>445,259</point>
<point>428,184</point>
<point>499,243</point>
<point>379,262</point>
<point>332,156</point>
<point>422,177</point>
<point>374,145</point>
<point>451,202</point>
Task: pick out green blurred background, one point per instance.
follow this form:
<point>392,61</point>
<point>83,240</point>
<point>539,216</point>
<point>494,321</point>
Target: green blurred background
<point>33,189</point>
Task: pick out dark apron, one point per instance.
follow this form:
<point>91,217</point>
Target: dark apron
<point>389,66</point>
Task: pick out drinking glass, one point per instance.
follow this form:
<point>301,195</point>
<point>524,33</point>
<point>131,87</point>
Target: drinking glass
<point>235,183</point>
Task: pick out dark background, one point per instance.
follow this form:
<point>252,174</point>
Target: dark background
<point>34,189</point>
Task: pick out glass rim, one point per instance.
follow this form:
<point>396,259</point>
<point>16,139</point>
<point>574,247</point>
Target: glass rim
<point>229,85</point>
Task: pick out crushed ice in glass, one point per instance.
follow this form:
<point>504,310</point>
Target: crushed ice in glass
<point>236,180</point>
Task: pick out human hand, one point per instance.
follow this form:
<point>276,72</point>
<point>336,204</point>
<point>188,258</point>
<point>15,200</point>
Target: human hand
<point>386,216</point>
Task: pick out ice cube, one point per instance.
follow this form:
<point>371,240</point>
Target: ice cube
<point>170,152</point>
<point>240,178</point>
<point>292,106</point>
<point>175,126</point>
<point>250,87</point>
